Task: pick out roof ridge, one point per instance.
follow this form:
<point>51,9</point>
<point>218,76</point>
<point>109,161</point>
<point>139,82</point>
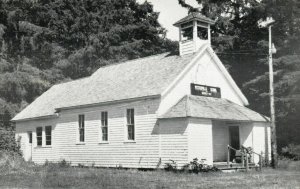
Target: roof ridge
<point>82,78</point>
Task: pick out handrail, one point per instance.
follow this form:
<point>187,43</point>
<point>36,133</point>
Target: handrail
<point>228,146</point>
<point>243,154</point>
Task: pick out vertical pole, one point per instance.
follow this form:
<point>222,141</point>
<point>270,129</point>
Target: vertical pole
<point>195,35</point>
<point>228,156</point>
<point>260,161</point>
<point>180,39</point>
<point>272,106</point>
<point>243,159</point>
<point>267,144</point>
<point>247,163</point>
<point>209,34</point>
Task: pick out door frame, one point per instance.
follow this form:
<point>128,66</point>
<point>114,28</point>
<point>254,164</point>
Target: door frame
<point>30,146</point>
<point>238,146</point>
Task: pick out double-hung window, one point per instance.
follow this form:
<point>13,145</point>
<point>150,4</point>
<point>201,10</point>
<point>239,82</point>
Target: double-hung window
<point>104,126</point>
<point>81,127</point>
<point>48,133</point>
<point>130,124</point>
<point>39,136</point>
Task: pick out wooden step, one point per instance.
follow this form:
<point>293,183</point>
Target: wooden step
<point>234,166</point>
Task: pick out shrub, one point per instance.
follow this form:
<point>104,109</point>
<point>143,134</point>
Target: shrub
<point>196,166</point>
<point>193,167</point>
<point>291,152</point>
<point>12,161</point>
<point>172,166</point>
<point>64,163</point>
<point>8,141</point>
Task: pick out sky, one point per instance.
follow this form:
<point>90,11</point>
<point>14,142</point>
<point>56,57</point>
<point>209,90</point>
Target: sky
<point>170,12</point>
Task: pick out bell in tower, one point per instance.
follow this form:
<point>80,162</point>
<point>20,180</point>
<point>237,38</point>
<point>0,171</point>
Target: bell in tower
<point>194,31</point>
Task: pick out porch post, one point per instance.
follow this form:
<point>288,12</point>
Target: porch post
<point>247,163</point>
<point>228,155</point>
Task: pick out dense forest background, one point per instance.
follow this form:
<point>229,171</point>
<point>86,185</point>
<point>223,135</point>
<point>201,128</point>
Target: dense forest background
<point>44,42</point>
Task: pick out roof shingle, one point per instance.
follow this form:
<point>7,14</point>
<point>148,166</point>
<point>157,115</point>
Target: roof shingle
<point>132,79</point>
<point>212,108</point>
<point>194,15</point>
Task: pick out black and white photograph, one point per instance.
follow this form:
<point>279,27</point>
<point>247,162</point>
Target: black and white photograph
<point>150,94</point>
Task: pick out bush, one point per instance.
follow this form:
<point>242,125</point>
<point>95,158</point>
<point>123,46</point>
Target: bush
<point>8,142</point>
<point>12,161</point>
<point>291,152</point>
<point>196,166</point>
<point>193,167</point>
<point>172,166</point>
<point>64,163</point>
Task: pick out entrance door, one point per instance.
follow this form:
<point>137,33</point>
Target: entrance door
<point>234,140</point>
<point>29,146</point>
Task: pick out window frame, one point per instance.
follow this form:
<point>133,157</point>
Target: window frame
<point>81,127</point>
<point>39,136</point>
<point>47,135</point>
<point>104,125</point>
<point>29,137</point>
<point>130,122</point>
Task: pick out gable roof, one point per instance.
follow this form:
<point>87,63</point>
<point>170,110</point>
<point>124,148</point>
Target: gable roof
<point>212,108</point>
<point>194,16</point>
<point>218,64</point>
<point>132,79</point>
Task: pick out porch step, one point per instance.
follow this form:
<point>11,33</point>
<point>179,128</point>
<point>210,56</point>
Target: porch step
<point>232,166</point>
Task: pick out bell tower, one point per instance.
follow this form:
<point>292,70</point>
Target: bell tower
<point>194,31</point>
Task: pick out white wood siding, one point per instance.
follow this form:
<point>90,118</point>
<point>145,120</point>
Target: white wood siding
<point>186,47</point>
<point>259,139</point>
<point>200,143</point>
<point>220,141</point>
<point>38,154</point>
<point>205,72</point>
<point>143,152</point>
<point>246,134</point>
<point>173,140</point>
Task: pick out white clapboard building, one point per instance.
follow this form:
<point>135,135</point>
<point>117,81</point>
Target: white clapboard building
<point>145,112</point>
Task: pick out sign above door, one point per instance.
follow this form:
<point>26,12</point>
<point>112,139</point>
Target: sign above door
<point>204,90</point>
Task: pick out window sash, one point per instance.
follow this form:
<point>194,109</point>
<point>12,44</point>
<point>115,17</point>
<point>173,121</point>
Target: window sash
<point>48,133</point>
<point>104,126</point>
<point>130,116</point>
<point>104,133</point>
<point>30,137</point>
<point>130,124</point>
<point>81,134</point>
<point>81,127</point>
<point>130,131</point>
<point>39,136</point>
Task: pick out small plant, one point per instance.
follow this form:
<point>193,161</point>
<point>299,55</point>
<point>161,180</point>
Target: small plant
<point>64,163</point>
<point>291,152</point>
<point>80,165</point>
<point>172,166</point>
<point>193,167</point>
<point>197,166</point>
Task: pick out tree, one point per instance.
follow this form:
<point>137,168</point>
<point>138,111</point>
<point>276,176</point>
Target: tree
<point>50,41</point>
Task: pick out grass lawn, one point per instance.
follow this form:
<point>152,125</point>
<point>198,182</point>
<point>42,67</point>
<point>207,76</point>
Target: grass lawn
<point>71,177</point>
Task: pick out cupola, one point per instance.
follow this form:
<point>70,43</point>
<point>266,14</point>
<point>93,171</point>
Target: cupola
<point>194,31</point>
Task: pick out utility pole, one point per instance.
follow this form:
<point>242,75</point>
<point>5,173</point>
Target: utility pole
<point>274,155</point>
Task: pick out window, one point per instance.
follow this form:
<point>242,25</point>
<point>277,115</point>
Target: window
<point>48,131</point>
<point>130,124</point>
<point>39,138</point>
<point>104,127</point>
<point>30,137</point>
<point>81,128</point>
